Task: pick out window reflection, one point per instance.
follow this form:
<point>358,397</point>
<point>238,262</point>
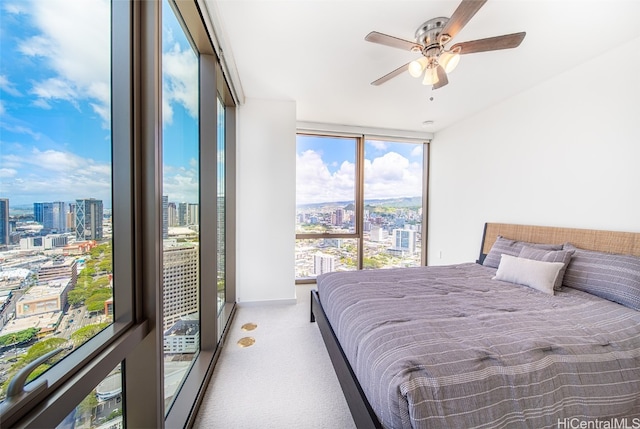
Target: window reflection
<point>221,224</point>
<point>100,409</point>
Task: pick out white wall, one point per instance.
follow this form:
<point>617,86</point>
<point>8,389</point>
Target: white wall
<point>564,153</point>
<point>266,180</point>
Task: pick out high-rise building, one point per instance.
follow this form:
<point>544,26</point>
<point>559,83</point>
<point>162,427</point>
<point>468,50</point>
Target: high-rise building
<point>165,216</point>
<point>181,281</point>
<point>51,215</point>
<point>4,221</point>
<point>39,212</point>
<point>172,214</point>
<point>182,214</point>
<point>188,214</point>
<point>193,214</point>
<point>339,219</point>
<point>323,263</point>
<point>71,217</point>
<point>89,213</point>
<point>404,241</point>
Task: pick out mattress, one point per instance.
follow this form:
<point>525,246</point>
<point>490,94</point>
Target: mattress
<point>448,347</point>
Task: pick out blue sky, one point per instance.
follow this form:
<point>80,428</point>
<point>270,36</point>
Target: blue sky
<point>55,139</point>
<point>325,169</point>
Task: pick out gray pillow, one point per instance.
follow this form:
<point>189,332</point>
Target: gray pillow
<point>563,256</point>
<point>513,248</point>
<point>608,275</point>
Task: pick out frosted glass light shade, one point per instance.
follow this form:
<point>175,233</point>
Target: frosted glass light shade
<point>430,76</point>
<point>449,60</point>
<point>415,68</point>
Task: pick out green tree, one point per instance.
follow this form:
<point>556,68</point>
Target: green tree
<point>85,333</point>
<point>88,404</point>
<point>19,337</point>
<point>105,265</point>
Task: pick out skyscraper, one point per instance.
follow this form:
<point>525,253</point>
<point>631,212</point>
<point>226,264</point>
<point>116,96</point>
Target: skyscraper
<point>182,214</point>
<point>4,221</point>
<point>51,215</point>
<point>89,214</point>
<point>404,241</point>
<point>323,263</point>
<point>165,216</point>
<point>172,214</point>
<point>181,282</point>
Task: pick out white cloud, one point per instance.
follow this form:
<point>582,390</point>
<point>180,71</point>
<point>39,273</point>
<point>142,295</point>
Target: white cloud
<point>387,176</point>
<point>180,184</point>
<point>315,183</point>
<point>180,81</point>
<point>8,86</point>
<point>79,55</point>
<point>8,172</point>
<point>378,144</point>
<point>49,175</point>
<point>417,151</point>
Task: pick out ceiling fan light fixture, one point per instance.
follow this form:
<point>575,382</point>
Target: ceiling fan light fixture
<point>430,76</point>
<point>449,60</point>
<point>415,68</point>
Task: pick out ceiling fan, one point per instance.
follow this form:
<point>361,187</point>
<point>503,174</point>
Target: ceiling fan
<point>432,38</point>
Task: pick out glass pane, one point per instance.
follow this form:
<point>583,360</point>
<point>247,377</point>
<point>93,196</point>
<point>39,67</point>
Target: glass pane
<point>221,207</point>
<point>318,256</point>
<point>55,204</point>
<point>325,184</point>
<point>393,204</point>
<point>100,409</point>
<point>181,250</point>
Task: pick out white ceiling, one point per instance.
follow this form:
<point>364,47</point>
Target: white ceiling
<point>314,52</point>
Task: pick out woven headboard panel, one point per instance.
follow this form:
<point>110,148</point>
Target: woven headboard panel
<point>591,239</point>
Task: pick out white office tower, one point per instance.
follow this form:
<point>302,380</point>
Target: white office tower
<point>181,280</point>
<point>404,241</point>
<point>378,234</point>
<point>323,263</point>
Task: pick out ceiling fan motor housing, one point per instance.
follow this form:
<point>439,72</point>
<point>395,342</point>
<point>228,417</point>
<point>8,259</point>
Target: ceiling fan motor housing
<point>428,36</point>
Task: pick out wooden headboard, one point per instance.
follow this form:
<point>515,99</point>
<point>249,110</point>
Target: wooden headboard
<point>590,239</point>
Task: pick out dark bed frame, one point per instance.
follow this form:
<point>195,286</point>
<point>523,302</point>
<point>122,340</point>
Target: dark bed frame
<point>604,241</point>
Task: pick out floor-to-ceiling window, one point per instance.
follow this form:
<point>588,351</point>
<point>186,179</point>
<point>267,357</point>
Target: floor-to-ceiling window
<point>221,211</point>
<point>359,203</point>
<point>327,219</point>
<point>103,287</point>
<point>393,210</point>
<point>181,195</point>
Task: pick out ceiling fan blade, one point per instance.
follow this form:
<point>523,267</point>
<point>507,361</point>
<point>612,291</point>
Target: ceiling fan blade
<point>391,75</point>
<point>461,16</point>
<point>394,42</point>
<point>507,41</point>
<point>442,78</point>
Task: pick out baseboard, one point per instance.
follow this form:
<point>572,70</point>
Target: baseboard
<point>291,301</point>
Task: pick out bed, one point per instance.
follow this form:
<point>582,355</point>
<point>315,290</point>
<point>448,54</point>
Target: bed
<point>482,344</point>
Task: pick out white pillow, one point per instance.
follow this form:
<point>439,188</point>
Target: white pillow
<point>529,272</point>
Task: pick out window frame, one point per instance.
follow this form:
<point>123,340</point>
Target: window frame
<point>73,378</point>
<point>361,138</point>
<point>135,339</point>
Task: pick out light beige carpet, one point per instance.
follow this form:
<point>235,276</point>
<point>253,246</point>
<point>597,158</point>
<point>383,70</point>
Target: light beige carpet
<point>285,380</point>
